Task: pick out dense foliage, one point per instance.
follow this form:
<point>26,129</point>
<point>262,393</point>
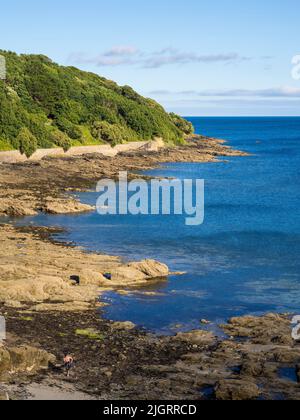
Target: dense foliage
<point>43,104</point>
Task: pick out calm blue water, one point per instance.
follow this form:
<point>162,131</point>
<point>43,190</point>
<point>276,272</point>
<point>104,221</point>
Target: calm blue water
<point>243,259</point>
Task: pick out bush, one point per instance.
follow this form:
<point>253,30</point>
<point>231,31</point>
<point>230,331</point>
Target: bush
<point>27,142</point>
<point>62,140</point>
<point>68,128</point>
<point>109,133</point>
<point>185,126</point>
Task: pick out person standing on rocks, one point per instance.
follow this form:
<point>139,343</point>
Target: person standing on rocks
<point>68,363</point>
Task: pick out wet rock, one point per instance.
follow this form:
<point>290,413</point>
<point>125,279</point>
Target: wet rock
<point>252,366</point>
<point>127,325</point>
<point>237,390</point>
<point>197,337</point>
<point>287,355</point>
<point>298,373</point>
<point>271,328</point>
<point>137,272</point>
<point>204,322</point>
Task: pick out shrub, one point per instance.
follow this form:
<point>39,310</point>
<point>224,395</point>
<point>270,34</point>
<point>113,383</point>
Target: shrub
<point>62,140</point>
<point>109,133</point>
<point>67,127</point>
<point>185,126</point>
<point>27,142</point>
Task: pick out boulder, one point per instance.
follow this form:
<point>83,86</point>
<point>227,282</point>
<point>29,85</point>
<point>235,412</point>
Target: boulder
<point>64,206</point>
<point>151,268</point>
<point>15,207</point>
<point>45,288</point>
<point>127,325</point>
<point>23,359</point>
<point>197,337</point>
<point>126,275</point>
<point>236,390</point>
<point>138,272</point>
<point>89,277</point>
<point>29,359</point>
<point>268,329</point>
<point>252,365</point>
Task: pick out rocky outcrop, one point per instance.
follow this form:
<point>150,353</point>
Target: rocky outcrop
<point>137,273</point>
<point>44,288</point>
<point>90,277</point>
<point>237,390</point>
<point>16,207</point>
<point>271,327</point>
<point>65,206</point>
<point>127,325</point>
<point>39,272</point>
<point>24,359</point>
<point>151,268</point>
<point>41,183</point>
<point>197,337</point>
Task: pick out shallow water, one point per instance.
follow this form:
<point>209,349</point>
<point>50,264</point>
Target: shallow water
<point>243,259</point>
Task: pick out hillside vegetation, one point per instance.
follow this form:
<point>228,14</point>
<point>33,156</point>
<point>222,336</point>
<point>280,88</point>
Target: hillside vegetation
<point>44,105</point>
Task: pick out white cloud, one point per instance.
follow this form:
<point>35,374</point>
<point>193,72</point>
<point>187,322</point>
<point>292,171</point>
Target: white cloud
<point>279,92</point>
<point>122,50</point>
<point>130,55</point>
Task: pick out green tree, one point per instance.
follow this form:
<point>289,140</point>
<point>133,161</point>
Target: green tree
<point>27,142</point>
<point>62,140</point>
<point>185,126</point>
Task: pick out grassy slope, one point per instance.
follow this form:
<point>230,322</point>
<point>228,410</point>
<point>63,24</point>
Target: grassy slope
<point>44,105</point>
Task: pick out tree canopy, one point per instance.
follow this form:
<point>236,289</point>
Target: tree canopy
<point>45,105</point>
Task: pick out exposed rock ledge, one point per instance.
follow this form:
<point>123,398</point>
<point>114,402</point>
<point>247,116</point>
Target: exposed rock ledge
<point>39,272</point>
<point>23,359</point>
<point>117,361</point>
<point>33,186</point>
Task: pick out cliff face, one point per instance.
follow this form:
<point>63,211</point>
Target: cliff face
<point>43,105</point>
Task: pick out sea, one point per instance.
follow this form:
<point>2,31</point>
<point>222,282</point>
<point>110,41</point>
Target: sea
<point>245,257</point>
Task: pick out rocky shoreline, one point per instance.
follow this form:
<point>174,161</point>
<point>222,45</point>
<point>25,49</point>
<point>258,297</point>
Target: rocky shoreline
<point>42,186</point>
<point>49,298</point>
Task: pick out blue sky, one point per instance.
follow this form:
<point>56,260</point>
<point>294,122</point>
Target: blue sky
<point>217,57</point>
